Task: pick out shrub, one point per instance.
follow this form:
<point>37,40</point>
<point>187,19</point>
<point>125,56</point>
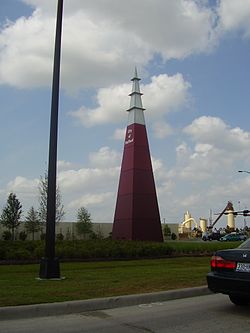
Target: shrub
<point>18,254</point>
<point>42,236</point>
<point>6,235</point>
<point>2,253</point>
<point>59,237</point>
<point>22,235</point>
<point>173,236</point>
<point>38,252</point>
<point>108,249</point>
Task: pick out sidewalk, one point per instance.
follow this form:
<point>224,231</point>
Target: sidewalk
<point>53,309</point>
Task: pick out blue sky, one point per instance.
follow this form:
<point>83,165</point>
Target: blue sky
<point>193,59</point>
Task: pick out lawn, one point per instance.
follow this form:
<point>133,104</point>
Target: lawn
<point>85,280</point>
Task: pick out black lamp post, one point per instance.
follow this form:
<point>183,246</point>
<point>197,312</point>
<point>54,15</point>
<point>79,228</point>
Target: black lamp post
<point>49,266</point>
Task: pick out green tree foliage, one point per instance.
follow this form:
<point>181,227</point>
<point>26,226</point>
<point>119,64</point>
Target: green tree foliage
<point>32,222</point>
<point>22,236</point>
<point>43,190</point>
<point>11,214</point>
<point>84,223</point>
<point>6,235</point>
<point>166,231</point>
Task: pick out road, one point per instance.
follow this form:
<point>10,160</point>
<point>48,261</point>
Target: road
<point>203,314</point>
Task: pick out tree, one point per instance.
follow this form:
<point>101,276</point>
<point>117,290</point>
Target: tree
<point>84,223</point>
<point>11,214</point>
<point>166,231</point>
<point>43,194</point>
<point>32,222</point>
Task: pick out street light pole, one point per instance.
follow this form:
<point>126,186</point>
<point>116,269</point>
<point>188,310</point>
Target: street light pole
<point>243,171</point>
<point>49,266</point>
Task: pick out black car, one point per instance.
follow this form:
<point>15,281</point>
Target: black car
<point>230,273</point>
<point>211,236</point>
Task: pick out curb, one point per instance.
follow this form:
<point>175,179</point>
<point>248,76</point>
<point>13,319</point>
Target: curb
<point>62,308</point>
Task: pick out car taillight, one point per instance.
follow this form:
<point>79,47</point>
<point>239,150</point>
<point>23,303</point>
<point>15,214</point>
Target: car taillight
<point>219,262</point>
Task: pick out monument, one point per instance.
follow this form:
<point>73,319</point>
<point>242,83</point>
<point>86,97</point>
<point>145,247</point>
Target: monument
<point>137,214</point>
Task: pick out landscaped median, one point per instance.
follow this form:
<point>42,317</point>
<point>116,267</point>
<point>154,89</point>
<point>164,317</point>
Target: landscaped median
<point>95,279</point>
<point>107,249</point>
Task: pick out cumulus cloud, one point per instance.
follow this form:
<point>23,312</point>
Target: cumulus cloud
<point>95,186</point>
<point>105,157</point>
<point>90,199</point>
<point>64,165</point>
<point>23,186</point>
<point>213,152</point>
<point>162,130</point>
<point>215,131</point>
<point>86,178</point>
<point>25,189</point>
<point>205,173</point>
<point>119,134</point>
<point>112,103</point>
<point>162,95</point>
<point>26,52</point>
<point>235,16</point>
<point>102,40</point>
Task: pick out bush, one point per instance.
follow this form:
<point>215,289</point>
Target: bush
<point>59,237</point>
<point>173,236</point>
<point>22,235</point>
<point>2,253</point>
<point>38,252</point>
<point>18,254</point>
<point>42,236</point>
<point>108,249</point>
<point>6,235</point>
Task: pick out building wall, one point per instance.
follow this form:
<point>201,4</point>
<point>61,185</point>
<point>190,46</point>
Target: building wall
<point>68,229</point>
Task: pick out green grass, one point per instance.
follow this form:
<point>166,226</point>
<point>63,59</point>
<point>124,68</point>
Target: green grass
<point>18,283</point>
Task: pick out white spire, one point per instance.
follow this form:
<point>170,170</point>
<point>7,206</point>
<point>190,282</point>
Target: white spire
<point>136,109</point>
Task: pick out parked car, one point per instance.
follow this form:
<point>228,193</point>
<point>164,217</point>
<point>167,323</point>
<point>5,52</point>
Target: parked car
<point>233,237</point>
<point>230,273</point>
<point>211,236</point>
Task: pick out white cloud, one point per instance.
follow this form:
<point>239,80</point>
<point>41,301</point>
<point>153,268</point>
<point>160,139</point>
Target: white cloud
<point>162,130</point>
<point>26,52</point>
<point>182,151</point>
<point>90,199</point>
<point>23,186</point>
<point>162,95</point>
<point>105,157</point>
<point>119,134</point>
<point>214,131</point>
<point>165,94</point>
<point>235,15</point>
<point>87,178</point>
<point>102,40</point>
<point>216,152</point>
<point>64,165</point>
<point>112,103</point>
<point>95,187</point>
<point>25,189</point>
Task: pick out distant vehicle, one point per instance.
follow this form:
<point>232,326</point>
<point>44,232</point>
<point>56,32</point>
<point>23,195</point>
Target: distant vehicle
<point>230,273</point>
<point>233,237</point>
<point>211,236</point>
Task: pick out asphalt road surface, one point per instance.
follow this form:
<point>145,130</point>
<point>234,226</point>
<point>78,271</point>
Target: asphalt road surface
<point>203,314</point>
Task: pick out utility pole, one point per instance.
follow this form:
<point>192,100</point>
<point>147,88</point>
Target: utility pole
<point>49,265</point>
